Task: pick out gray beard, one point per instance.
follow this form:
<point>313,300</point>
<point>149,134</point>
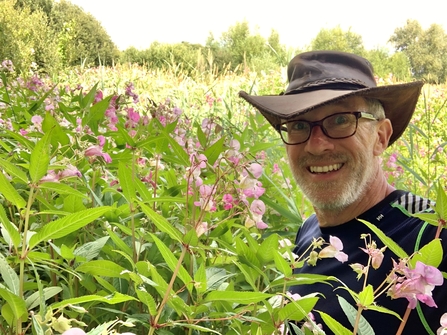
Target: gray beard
<point>350,191</point>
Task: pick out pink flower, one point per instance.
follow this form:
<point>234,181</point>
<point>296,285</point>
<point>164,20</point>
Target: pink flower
<point>74,331</point>
<point>95,150</point>
<point>51,176</point>
<point>257,207</point>
<point>443,329</point>
<point>70,171</point>
<point>202,228</point>
<point>101,140</point>
<point>256,170</point>
<point>334,250</point>
<point>418,284</point>
<point>228,201</point>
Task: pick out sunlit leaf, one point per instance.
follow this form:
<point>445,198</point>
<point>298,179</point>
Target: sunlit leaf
<point>114,298</point>
<point>40,158</point>
<point>10,193</point>
<point>393,246</point>
<point>103,268</point>
<point>66,225</point>
<point>429,254</point>
<point>237,297</point>
<point>17,305</point>
<point>9,276</point>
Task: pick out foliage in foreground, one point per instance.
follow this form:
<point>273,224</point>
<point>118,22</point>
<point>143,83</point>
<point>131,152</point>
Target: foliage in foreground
<point>173,217</point>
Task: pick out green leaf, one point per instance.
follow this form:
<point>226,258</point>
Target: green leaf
<point>119,242</point>
<point>173,263</point>
<point>12,230</point>
<point>59,135</point>
<point>17,305</point>
<point>441,203</point>
<point>148,300</point>
<point>179,151</point>
<point>62,189</point>
<point>14,171</point>
<point>238,297</point>
<point>35,299</point>
<point>282,265</point>
<point>213,152</point>
<point>112,299</point>
<point>102,268</point>
<point>431,218</point>
<point>20,139</point>
<point>10,193</point>
<point>66,225</point>
<point>161,223</point>
<point>215,277</point>
<point>40,158</point>
<point>366,296</point>
<point>96,113</point>
<point>9,276</point>
<point>267,249</point>
<point>126,178</point>
<point>301,279</point>
<point>393,246</point>
<point>429,254</point>
<point>364,328</point>
<point>91,249</point>
<point>200,279</point>
<point>334,325</point>
<point>196,327</point>
<point>297,310</point>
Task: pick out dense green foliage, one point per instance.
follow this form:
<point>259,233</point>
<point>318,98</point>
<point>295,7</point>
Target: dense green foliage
<point>46,36</point>
<point>149,202</point>
<point>425,49</point>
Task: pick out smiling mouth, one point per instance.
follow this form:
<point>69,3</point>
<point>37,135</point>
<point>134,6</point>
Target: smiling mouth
<point>325,169</point>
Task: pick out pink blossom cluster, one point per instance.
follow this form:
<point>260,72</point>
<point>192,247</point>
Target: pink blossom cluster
<point>415,284</point>
<point>53,176</point>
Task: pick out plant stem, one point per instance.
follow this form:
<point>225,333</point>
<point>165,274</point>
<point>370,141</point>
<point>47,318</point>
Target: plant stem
<point>357,320</point>
<point>168,291</point>
<point>404,321</point>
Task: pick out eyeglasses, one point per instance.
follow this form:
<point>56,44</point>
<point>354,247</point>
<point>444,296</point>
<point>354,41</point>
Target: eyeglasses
<point>335,126</point>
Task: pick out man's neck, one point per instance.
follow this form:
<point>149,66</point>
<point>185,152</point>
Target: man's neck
<point>376,193</point>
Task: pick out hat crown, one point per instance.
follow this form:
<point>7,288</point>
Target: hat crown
<point>316,70</point>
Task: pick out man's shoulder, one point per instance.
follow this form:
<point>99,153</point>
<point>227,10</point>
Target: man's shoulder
<point>410,203</point>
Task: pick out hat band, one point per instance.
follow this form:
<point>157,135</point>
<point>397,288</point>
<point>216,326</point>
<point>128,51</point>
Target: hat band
<point>329,84</point>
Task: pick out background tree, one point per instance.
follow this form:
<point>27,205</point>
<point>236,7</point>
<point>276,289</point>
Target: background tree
<point>337,39</point>
<point>395,66</point>
<point>238,45</point>
<point>426,50</point>
<point>26,38</point>
<point>82,39</point>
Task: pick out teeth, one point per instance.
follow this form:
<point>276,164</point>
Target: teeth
<point>323,169</point>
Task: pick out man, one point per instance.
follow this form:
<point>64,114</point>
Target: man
<point>336,122</point>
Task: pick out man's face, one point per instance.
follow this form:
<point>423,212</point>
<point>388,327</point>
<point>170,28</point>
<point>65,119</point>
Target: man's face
<point>335,173</point>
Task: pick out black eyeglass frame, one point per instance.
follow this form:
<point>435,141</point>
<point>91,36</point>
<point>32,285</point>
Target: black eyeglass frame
<point>358,115</point>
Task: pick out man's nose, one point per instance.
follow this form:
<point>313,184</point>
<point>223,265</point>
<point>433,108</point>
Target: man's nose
<point>318,142</point>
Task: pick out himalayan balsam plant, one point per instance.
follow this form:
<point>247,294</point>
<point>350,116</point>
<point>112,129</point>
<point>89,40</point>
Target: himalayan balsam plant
<point>122,215</point>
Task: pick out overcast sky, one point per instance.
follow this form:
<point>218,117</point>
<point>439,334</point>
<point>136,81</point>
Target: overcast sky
<point>140,22</point>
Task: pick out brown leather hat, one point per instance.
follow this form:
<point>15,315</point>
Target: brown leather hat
<point>318,78</point>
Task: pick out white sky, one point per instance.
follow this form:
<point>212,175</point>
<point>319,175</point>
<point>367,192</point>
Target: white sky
<point>138,23</point>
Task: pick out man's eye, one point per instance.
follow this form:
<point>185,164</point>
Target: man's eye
<point>339,120</point>
<point>299,126</point>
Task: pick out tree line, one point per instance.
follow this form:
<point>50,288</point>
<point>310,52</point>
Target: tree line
<point>50,35</point>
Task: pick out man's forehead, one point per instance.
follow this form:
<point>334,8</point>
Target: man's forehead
<point>349,102</point>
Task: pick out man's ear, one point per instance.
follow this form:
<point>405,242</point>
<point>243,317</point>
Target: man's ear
<point>384,132</point>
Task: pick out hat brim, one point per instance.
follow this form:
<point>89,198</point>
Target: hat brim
<point>399,102</point>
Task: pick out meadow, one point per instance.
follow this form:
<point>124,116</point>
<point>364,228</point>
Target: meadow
<point>155,202</point>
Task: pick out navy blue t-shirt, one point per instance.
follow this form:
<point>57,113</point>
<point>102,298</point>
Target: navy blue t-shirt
<point>402,229</point>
